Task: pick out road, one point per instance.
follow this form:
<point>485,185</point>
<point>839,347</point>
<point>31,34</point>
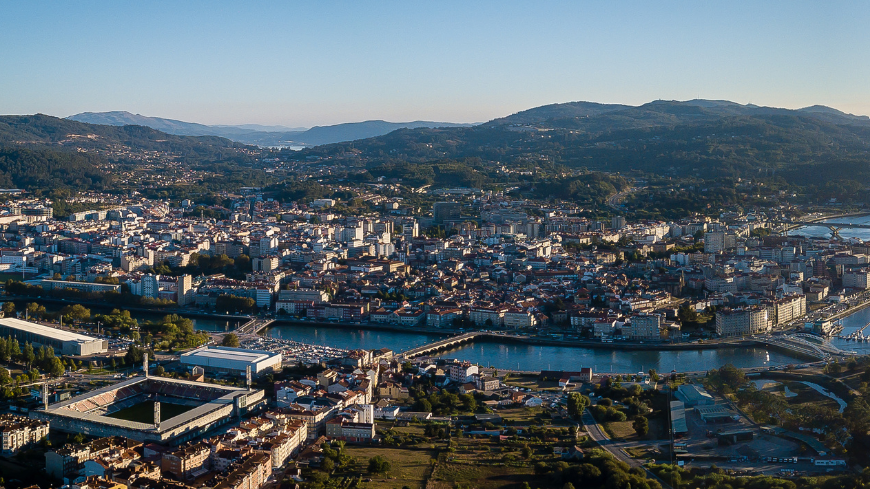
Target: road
<point>593,429</point>
<point>614,200</point>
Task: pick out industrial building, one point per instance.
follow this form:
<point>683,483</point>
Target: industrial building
<point>235,361</point>
<point>694,395</point>
<point>65,342</point>
<point>679,427</point>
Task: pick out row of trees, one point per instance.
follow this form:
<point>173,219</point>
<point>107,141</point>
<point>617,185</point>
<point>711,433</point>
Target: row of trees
<point>123,298</point>
<point>42,357</point>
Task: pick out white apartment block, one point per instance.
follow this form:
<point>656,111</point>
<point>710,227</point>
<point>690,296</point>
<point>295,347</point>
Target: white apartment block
<point>644,327</point>
<point>21,431</point>
<point>740,322</point>
<point>787,309</point>
<point>462,372</point>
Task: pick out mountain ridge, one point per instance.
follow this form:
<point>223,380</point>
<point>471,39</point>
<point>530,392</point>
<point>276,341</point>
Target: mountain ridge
<point>259,134</point>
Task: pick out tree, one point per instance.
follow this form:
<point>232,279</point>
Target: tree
<point>857,415</point>
<point>327,465</point>
<point>230,340</point>
<point>423,405</point>
<point>76,312</point>
<point>28,355</point>
<point>4,353</point>
<point>469,403</point>
<point>14,348</point>
<point>687,314</point>
<point>379,465</point>
<point>8,309</point>
<point>159,371</point>
<point>577,403</point>
<point>526,451</point>
<point>640,425</point>
<point>35,310</point>
<point>134,355</point>
<point>56,368</point>
<point>234,303</point>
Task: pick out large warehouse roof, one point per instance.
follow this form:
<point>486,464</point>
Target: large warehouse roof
<point>39,329</point>
<point>230,354</point>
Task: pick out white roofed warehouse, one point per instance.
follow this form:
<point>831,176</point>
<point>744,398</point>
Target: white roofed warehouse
<point>65,342</point>
<point>235,361</point>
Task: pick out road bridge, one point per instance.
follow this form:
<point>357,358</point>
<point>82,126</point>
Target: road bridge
<point>440,345</point>
<point>835,227</point>
<point>804,344</point>
<point>253,326</point>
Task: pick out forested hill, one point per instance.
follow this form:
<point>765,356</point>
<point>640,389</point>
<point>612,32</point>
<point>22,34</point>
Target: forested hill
<point>43,130</point>
<point>42,153</point>
<point>696,138</point>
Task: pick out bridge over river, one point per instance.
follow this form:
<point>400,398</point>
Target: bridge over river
<point>441,345</point>
<point>798,344</point>
<point>835,227</point>
<point>804,344</point>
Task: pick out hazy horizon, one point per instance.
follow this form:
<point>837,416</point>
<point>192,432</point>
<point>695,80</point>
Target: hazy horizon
<point>302,65</point>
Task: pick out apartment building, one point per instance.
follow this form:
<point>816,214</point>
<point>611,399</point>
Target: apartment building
<point>187,461</point>
<point>744,321</point>
<point>20,431</point>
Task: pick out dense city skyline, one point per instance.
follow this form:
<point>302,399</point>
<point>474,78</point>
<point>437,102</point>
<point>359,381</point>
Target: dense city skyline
<point>305,65</point>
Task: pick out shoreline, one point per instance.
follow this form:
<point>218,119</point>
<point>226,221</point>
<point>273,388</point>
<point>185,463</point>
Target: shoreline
<point>530,340</point>
<point>489,337</point>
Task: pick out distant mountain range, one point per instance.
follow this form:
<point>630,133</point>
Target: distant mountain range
<point>698,138</point>
<point>258,134</point>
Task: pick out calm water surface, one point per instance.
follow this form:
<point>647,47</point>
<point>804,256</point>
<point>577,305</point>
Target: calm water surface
<point>823,232</point>
<point>509,355</point>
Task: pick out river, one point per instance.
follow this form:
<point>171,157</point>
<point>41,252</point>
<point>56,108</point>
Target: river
<point>823,232</point>
<point>852,323</point>
<point>510,355</point>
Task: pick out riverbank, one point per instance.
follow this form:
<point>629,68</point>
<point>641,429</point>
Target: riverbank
<point>497,337</point>
<point>493,337</point>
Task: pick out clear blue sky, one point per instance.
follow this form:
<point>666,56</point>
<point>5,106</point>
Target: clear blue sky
<point>325,62</point>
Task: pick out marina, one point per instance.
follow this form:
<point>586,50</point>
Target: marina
<point>294,351</point>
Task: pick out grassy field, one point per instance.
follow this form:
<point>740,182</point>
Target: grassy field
<point>520,415</point>
<point>621,430</point>
<point>410,467</point>
<point>449,475</point>
<point>144,412</point>
<point>641,452</point>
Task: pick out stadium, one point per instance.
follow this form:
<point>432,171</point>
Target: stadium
<point>186,411</point>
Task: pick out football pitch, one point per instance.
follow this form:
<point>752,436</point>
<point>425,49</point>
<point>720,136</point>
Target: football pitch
<point>144,412</point>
